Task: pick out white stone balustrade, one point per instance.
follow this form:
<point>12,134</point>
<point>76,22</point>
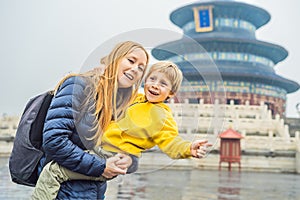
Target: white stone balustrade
<point>259,129</point>
<point>8,125</point>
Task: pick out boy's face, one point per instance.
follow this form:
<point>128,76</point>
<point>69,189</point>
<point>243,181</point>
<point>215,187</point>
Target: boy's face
<point>157,87</point>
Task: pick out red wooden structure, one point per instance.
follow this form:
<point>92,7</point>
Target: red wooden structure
<point>230,149</point>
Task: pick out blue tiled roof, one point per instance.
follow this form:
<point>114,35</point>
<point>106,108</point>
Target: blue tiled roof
<point>189,45</point>
<point>236,72</point>
<point>231,9</point>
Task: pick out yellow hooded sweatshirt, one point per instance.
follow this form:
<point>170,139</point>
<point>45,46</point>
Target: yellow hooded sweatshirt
<point>145,125</point>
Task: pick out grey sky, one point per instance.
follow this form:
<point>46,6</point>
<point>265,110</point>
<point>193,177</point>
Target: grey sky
<point>41,41</point>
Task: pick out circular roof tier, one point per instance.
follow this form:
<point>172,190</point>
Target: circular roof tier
<point>231,71</point>
<point>183,46</point>
<point>231,9</point>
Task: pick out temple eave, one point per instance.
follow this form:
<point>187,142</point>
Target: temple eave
<point>272,51</point>
<point>245,11</point>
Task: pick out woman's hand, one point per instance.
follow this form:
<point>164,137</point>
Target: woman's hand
<point>124,162</point>
<point>112,169</point>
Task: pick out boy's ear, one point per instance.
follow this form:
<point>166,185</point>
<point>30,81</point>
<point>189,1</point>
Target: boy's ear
<point>171,94</point>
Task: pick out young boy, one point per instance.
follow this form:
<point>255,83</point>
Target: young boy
<point>146,123</point>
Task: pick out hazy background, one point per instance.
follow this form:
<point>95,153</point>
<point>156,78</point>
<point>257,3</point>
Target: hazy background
<point>41,41</point>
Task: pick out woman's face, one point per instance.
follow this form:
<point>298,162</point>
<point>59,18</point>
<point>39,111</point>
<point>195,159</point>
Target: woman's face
<point>131,68</point>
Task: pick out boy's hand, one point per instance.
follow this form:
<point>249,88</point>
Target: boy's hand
<point>199,148</point>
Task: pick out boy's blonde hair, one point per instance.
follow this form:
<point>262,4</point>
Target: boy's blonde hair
<point>110,101</point>
<point>172,72</point>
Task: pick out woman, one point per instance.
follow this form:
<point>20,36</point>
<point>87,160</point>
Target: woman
<point>81,110</point>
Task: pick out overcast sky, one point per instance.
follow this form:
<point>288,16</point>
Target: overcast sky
<point>41,41</point>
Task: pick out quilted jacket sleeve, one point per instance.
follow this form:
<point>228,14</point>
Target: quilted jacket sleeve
<point>61,142</point>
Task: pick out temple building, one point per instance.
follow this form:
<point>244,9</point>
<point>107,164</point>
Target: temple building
<point>221,58</point>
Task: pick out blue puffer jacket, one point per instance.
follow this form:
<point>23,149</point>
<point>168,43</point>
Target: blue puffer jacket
<point>63,144</point>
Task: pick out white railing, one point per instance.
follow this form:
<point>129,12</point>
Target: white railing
<point>251,119</point>
<point>8,125</point>
<point>259,129</point>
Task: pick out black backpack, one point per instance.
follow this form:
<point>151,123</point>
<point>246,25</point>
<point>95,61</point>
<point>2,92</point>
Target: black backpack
<point>27,152</point>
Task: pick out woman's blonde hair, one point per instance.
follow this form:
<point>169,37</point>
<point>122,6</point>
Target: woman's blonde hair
<point>110,101</point>
<point>172,72</point>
